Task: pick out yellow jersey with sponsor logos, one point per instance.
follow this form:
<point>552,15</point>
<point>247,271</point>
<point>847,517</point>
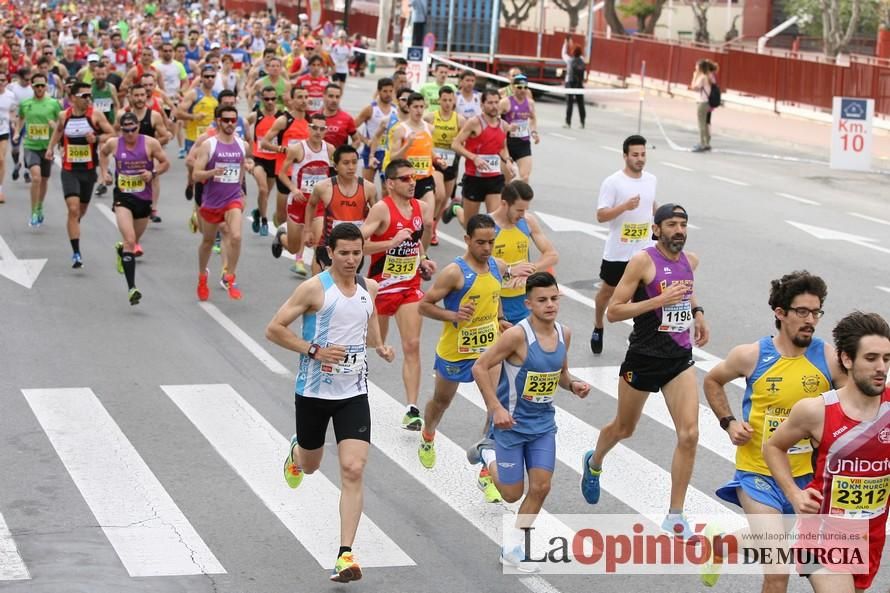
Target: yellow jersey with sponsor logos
<point>466,340</point>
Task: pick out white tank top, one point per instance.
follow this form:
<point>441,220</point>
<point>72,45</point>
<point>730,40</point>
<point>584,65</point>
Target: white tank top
<point>468,107</point>
<point>378,117</point>
<point>343,321</point>
<point>315,167</point>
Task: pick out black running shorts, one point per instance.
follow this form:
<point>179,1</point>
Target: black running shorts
<point>351,416</point>
<point>648,373</point>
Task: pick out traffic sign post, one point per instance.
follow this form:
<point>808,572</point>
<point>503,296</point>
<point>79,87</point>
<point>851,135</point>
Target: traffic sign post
<point>418,57</point>
<point>851,133</point>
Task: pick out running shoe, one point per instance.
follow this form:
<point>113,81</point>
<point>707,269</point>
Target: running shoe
<point>27,176</point>
<point>676,524</point>
<point>596,340</point>
<point>217,243</point>
<point>193,222</point>
<point>515,559</point>
<point>203,289</point>
<point>277,247</point>
<point>412,419</point>
<point>15,172</point>
<point>487,486</point>
<point>346,569</point>
<point>232,287</point>
<point>264,228</point>
<point>137,251</point>
<point>590,480</point>
<point>182,153</point>
<point>76,260</point>
<point>40,218</point>
<point>709,573</point>
<point>255,224</point>
<point>474,453</point>
<point>118,251</point>
<point>449,213</point>
<point>154,216</point>
<point>427,453</point>
<point>299,268</point>
<point>2,199</point>
<point>35,220</point>
<point>135,296</point>
<point>101,189</point>
<point>293,475</point>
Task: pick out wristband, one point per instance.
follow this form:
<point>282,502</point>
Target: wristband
<point>698,310</point>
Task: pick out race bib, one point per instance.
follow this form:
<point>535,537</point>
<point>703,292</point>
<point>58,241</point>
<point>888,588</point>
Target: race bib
<point>309,181</point>
<point>79,153</point>
<point>130,183</point>
<point>103,104</point>
<point>521,130</point>
<point>632,232</point>
<point>400,268</point>
<point>858,497</point>
<point>540,387</point>
<point>771,423</point>
<point>38,131</point>
<point>446,155</point>
<point>676,318</point>
<point>421,165</point>
<point>492,162</point>
<point>316,103</point>
<point>231,174</point>
<point>477,338</point>
<point>353,362</point>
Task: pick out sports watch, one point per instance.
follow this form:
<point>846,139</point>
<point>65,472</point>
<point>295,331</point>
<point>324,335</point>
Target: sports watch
<point>313,350</point>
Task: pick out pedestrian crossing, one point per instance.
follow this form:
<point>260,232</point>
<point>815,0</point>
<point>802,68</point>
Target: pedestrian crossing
<point>152,537</point>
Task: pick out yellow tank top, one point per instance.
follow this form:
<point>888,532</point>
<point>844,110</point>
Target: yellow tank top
<point>204,106</point>
<point>777,383</point>
<point>468,339</point>
<point>511,246</point>
<point>420,152</point>
<point>444,130</point>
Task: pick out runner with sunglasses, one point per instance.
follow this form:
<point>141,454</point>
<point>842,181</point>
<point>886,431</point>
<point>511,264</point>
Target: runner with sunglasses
<point>518,110</point>
<point>134,157</point>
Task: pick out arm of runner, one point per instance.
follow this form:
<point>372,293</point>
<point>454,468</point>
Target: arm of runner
<point>156,152</point>
<point>620,305</point>
<point>106,130</point>
<point>162,133</point>
<point>293,154</point>
<point>549,256</point>
<point>607,206</point>
<point>375,339</point>
<point>566,380</point>
<point>311,205</point>
<point>489,362</point>
<point>533,121</point>
<point>448,280</point>
<point>55,138</point>
<point>740,362</point>
<point>199,174</point>
<point>457,145</point>
<point>108,147</point>
<point>402,139</point>
<point>702,332</point>
<point>370,192</point>
<point>307,297</point>
<point>805,421</point>
<point>266,143</point>
<point>182,112</point>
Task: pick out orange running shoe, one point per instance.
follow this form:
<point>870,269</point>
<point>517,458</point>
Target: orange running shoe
<point>203,289</point>
<point>232,287</point>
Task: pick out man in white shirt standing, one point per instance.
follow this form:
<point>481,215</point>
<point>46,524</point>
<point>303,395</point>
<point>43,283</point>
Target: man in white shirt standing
<point>627,203</point>
<point>341,53</point>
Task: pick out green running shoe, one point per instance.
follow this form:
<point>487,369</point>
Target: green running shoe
<point>412,420</point>
<point>293,475</point>
<point>135,296</point>
<point>486,485</point>
<point>346,569</point>
<point>427,453</point>
<point>118,250</point>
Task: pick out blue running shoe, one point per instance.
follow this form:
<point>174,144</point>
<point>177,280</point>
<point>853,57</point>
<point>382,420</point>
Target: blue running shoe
<point>76,261</point>
<point>590,480</point>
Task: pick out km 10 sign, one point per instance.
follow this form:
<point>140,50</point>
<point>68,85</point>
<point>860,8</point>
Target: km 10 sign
<point>851,132</point>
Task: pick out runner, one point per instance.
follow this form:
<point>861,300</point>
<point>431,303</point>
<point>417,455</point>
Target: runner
<point>8,106</point>
<point>275,79</point>
<point>134,157</point>
<point>379,114</point>
<point>626,202</point>
<point>341,52</point>
<point>81,130</point>
<point>37,120</point>
<point>197,107</point>
<point>219,165</point>
<point>310,163</point>
<point>339,324</point>
<point>261,120</point>
<point>848,427</point>
<point>471,320</point>
<point>151,122</point>
<point>393,232</point>
<point>531,360</point>
<point>21,90</point>
<point>518,110</point>
<point>779,371</point>
<point>469,102</point>
<point>657,291</point>
<point>446,123</point>
<point>314,83</point>
<point>382,139</point>
<point>341,126</point>
<point>345,197</point>
<point>431,90</point>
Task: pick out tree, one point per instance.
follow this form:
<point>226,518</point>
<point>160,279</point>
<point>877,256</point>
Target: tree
<point>516,12</point>
<point>700,10</point>
<point>574,11</point>
<point>647,13</point>
<point>612,17</point>
<point>838,21</point>
<point>885,13</point>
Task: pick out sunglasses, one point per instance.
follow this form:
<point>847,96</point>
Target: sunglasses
<point>228,120</point>
<point>84,96</point>
<point>130,129</point>
<point>521,86</point>
<point>405,178</point>
<point>269,98</point>
<point>319,128</point>
<point>39,85</point>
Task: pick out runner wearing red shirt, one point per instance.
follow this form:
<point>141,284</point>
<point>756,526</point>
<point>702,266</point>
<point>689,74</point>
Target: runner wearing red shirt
<point>341,126</point>
<point>315,83</point>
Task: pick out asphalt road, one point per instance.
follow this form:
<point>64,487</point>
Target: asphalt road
<point>110,444</point>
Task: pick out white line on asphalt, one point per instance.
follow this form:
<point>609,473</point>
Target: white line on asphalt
<point>107,213</point>
<point>141,521</point>
<point>730,180</point>
<point>256,451</point>
<point>798,199</point>
<point>12,567</point>
<point>883,288</point>
<point>676,166</point>
<point>558,135</point>
<point>869,218</point>
<point>227,324</point>
<point>611,149</point>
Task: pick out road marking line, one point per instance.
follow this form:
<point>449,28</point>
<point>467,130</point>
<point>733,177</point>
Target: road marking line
<point>730,180</point>
<point>676,166</point>
<point>236,332</point>
<point>869,218</point>
<point>12,567</point>
<point>256,451</point>
<point>883,288</point>
<point>798,199</point>
<point>611,149</point>
<point>563,136</point>
<point>107,213</point>
<point>141,521</point>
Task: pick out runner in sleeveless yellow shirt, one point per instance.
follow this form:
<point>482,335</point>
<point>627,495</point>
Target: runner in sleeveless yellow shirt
<point>446,124</point>
<point>472,321</point>
<point>197,107</point>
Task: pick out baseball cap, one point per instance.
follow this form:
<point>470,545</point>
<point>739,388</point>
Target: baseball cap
<point>214,45</point>
<point>669,210</point>
<point>93,58</point>
<point>129,118</point>
<point>309,44</point>
<point>520,79</point>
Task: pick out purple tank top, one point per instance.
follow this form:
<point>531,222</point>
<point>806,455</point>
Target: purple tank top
<point>223,189</point>
<point>519,113</point>
<point>664,332</point>
<point>129,165</point>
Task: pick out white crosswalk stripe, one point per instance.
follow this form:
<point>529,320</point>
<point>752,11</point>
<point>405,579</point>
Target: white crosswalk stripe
<point>147,530</point>
<point>12,567</point>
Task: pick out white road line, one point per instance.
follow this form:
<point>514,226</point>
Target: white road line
<point>869,218</point>
<point>107,213</point>
<point>12,567</point>
<point>798,199</point>
<point>883,288</point>
<point>626,471</point>
<point>730,180</point>
<point>256,451</point>
<point>147,530</point>
<point>675,166</point>
<point>563,136</point>
<point>611,149</point>
<point>236,332</point>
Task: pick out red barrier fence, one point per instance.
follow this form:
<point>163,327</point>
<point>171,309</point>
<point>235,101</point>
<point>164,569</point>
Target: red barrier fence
<point>778,78</point>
